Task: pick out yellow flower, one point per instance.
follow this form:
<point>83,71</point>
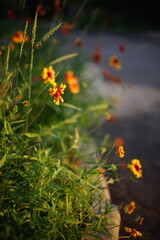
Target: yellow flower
<point>114,62</point>
<point>120,151</point>
<point>136,168</point>
<point>133,232</point>
<point>57,92</point>
<point>18,37</point>
<point>48,75</point>
<point>130,207</point>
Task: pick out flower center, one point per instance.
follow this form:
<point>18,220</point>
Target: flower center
<point>137,167</point>
<point>115,60</point>
<point>49,74</point>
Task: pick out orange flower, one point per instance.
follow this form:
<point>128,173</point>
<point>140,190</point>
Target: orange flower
<point>72,81</point>
<point>118,141</point>
<point>12,46</point>
<point>136,168</point>
<point>129,208</point>
<point>133,232</point>
<point>120,151</point>
<point>106,74</point>
<point>1,52</point>
<point>48,75</point>
<point>69,74</point>
<point>41,10</point>
<point>97,56</point>
<point>101,170</point>
<point>74,85</point>
<point>78,42</point>
<point>18,37</point>
<point>116,79</point>
<point>114,62</point>
<point>66,27</point>
<point>57,92</point>
<point>122,48</point>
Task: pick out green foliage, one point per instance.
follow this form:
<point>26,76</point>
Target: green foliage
<point>43,198</point>
<point>45,193</point>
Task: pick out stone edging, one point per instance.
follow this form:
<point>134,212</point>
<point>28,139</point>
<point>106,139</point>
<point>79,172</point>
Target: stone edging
<point>113,216</point>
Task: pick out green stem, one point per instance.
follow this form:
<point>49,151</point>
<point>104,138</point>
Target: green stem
<point>39,112</point>
<point>67,207</point>
<point>31,65</point>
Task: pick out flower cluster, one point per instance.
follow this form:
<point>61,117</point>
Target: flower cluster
<point>48,74</point>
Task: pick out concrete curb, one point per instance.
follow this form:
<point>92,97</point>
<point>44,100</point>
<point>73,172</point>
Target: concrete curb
<point>114,216</point>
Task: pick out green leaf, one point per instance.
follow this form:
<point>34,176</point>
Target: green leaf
<point>31,135</point>
<point>7,127</point>
<point>72,106</point>
<point>74,221</point>
<point>107,232</point>
<point>94,236</point>
<point>3,160</point>
<point>15,109</point>
<point>19,121</point>
<point>29,157</point>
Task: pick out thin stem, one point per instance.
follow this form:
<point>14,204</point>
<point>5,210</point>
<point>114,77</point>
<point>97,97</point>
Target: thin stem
<point>125,237</point>
<point>39,112</point>
<point>31,65</point>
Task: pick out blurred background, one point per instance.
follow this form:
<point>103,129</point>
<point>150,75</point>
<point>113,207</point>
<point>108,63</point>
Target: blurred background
<point>109,23</point>
<point>121,15</point>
